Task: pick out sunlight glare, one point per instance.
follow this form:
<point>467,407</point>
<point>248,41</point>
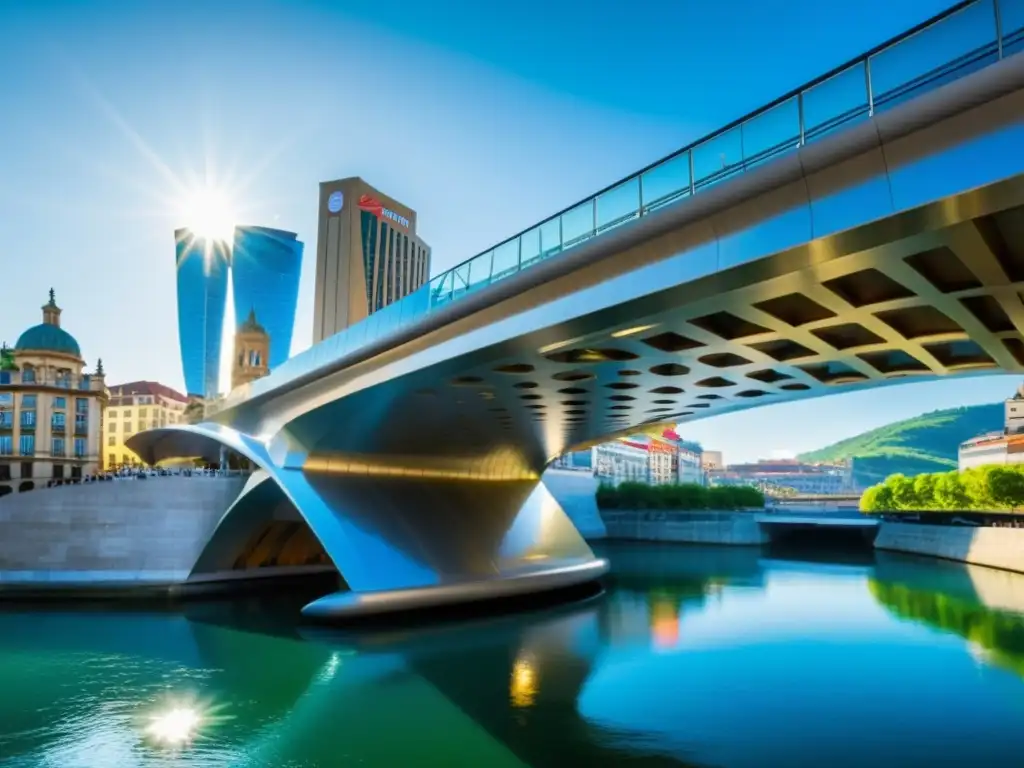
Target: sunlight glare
<point>175,726</point>
<point>208,214</point>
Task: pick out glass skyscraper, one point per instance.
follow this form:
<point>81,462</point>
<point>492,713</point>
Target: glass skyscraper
<point>265,268</point>
<point>202,278</point>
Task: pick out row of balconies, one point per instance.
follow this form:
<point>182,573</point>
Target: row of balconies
<point>85,382</point>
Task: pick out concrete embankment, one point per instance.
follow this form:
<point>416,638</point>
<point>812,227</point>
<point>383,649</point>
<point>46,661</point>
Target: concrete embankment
<point>696,527</point>
<point>130,532</point>
<point>994,547</point>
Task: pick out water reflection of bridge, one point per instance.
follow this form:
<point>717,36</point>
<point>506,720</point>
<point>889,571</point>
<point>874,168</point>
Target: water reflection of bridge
<point>501,691</point>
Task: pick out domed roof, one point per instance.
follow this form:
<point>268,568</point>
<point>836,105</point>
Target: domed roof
<point>48,338</point>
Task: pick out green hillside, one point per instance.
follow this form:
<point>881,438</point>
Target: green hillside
<point>925,443</point>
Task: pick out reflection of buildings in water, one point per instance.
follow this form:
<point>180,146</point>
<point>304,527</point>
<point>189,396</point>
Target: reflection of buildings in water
<point>523,686</point>
<point>665,613</point>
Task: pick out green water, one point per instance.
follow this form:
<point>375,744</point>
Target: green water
<point>721,657</point>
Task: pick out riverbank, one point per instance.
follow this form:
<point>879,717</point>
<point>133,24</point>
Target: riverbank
<point>993,547</point>
<point>692,527</point>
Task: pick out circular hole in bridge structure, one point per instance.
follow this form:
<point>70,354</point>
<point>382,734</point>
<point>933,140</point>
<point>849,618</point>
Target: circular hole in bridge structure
<point>531,397</point>
<point>629,372</point>
<point>514,368</point>
<point>467,381</point>
<point>751,393</point>
<point>699,405</point>
<point>622,385</point>
<point>658,410</point>
<point>620,408</point>
<point>575,402</point>
<point>709,397</point>
<point>622,398</point>
<point>536,405</point>
<point>714,381</point>
<point>664,402</point>
<point>669,369</point>
<point>526,385</point>
<point>573,391</point>
<point>576,412</point>
<point>795,387</point>
<point>572,376</point>
<point>601,355</point>
<point>667,390</point>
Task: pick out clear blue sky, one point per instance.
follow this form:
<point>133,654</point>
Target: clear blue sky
<point>484,117</point>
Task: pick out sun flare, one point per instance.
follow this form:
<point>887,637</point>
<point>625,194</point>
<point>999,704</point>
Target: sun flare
<point>208,213</point>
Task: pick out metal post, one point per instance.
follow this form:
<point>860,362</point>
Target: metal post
<point>519,251</point>
<point>999,29</point>
<point>800,112</point>
<point>867,83</point>
<point>693,186</point>
<point>593,216</point>
<point>640,195</point>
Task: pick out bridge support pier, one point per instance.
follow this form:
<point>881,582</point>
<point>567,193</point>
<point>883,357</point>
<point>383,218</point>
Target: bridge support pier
<point>404,543</point>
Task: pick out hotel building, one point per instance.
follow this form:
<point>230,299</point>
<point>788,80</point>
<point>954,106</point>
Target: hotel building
<point>1005,447</point>
<point>367,255</point>
<point>51,410</point>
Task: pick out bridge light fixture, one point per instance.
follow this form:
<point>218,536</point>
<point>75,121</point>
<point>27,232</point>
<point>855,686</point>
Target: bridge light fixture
<point>632,331</point>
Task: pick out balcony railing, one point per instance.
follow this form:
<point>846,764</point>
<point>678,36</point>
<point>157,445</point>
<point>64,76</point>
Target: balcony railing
<point>965,38</point>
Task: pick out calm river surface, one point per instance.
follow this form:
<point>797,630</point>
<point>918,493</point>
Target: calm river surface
<point>693,656</point>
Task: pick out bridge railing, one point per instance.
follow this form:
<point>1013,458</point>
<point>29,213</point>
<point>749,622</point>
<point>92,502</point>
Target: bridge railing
<point>968,36</point>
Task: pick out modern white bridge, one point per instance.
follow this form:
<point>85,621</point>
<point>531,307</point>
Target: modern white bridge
<point>862,231</point>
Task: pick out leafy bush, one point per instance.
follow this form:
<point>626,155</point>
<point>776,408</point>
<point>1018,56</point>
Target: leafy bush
<point>683,497</point>
<point>979,489</point>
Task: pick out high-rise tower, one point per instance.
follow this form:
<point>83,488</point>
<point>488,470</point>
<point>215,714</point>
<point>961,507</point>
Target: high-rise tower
<point>265,269</point>
<point>367,255</point>
<point>202,280</point>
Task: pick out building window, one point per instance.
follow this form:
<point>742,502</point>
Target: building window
<point>6,420</point>
<point>127,428</point>
<point>5,377</point>
<point>112,426</point>
<point>127,413</point>
<point>57,421</point>
<point>81,424</point>
<point>28,376</point>
<point>79,447</point>
<point>26,470</point>
<point>60,403</point>
<point>125,459</point>
<point>5,472</point>
<point>83,382</point>
<point>81,405</point>
<point>111,459</point>
<point>28,419</point>
<point>27,445</point>
<point>28,401</point>
<point>142,413</point>
<point>112,413</point>
<point>58,471</point>
<point>111,440</point>
<point>6,445</point>
<point>57,447</point>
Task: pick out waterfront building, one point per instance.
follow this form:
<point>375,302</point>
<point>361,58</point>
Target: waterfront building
<point>1001,447</point>
<point>265,269</point>
<point>51,410</point>
<point>252,352</point>
<point>622,461</point>
<point>135,407</point>
<point>202,283</point>
<point>775,474</point>
<point>711,460</point>
<point>368,255</point>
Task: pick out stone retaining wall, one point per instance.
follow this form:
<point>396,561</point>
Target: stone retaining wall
<point>994,547</point>
<point>130,531</point>
<point>697,527</point>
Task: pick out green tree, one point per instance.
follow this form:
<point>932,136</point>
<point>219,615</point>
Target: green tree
<point>975,481</point>
<point>949,492</point>
<point>904,495</point>
<point>877,498</point>
<point>1005,486</point>
<point>924,490</point>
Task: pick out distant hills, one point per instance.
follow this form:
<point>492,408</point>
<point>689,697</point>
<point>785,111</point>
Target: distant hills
<point>925,443</point>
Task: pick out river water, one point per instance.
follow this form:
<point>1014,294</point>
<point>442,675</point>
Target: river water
<point>724,657</point>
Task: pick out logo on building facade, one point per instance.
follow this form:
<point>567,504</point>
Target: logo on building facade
<point>374,206</point>
<point>335,201</point>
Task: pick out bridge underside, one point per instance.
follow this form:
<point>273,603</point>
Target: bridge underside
<point>859,262</point>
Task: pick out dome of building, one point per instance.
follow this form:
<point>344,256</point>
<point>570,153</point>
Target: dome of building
<point>48,338</point>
